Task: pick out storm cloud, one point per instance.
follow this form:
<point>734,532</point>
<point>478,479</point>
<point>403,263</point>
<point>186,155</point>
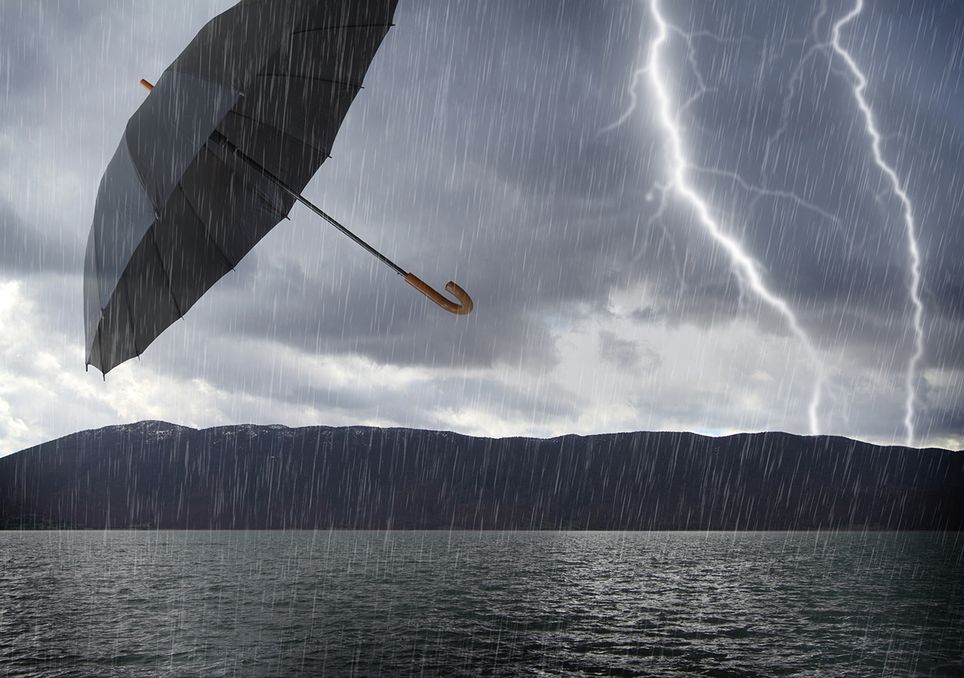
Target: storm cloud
<point>482,150</point>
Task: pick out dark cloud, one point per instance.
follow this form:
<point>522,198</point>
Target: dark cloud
<point>24,250</point>
<point>477,152</point>
<point>26,33</point>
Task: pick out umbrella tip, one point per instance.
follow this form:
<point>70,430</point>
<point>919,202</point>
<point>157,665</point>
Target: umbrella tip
<point>147,85</point>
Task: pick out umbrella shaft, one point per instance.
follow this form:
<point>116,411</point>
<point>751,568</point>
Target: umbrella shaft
<point>224,141</point>
<point>331,220</point>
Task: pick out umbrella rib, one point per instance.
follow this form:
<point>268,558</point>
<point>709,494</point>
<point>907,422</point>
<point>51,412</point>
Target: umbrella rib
<point>100,345</point>
<point>338,28</point>
<point>280,131</point>
<point>250,184</point>
<point>308,77</point>
<point>170,287</point>
<point>137,173</point>
<point>204,226</point>
<point>130,320</point>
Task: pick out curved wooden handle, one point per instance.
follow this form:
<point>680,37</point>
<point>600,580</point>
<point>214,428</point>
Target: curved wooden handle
<point>465,305</point>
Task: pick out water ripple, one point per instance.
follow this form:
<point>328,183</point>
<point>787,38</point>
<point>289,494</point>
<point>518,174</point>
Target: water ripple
<point>467,603</point>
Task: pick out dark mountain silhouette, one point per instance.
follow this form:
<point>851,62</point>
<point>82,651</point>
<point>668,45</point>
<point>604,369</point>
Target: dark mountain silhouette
<point>159,475</point>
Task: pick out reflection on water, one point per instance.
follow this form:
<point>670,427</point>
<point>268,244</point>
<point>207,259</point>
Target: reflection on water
<point>468,603</point>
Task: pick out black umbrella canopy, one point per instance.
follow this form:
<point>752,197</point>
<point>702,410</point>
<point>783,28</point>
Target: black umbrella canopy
<point>260,91</point>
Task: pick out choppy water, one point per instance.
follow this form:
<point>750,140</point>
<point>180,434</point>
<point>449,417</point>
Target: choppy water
<point>438,603</point>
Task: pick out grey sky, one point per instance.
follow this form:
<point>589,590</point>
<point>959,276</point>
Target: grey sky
<point>477,152</point>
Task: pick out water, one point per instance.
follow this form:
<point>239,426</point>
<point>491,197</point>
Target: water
<point>469,603</point>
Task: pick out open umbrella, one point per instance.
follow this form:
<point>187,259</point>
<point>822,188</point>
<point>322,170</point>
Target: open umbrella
<point>217,155</point>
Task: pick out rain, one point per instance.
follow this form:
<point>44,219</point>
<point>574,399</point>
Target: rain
<point>515,337</point>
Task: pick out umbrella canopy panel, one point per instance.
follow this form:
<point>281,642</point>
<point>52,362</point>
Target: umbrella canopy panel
<point>175,210</point>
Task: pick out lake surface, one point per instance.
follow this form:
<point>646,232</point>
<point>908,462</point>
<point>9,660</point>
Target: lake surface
<point>470,603</point>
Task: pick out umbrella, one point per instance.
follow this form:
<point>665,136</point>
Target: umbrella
<point>217,155</point>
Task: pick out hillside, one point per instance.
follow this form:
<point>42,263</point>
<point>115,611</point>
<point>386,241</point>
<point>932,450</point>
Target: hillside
<point>159,475</point>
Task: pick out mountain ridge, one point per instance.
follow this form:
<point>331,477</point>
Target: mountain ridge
<point>161,475</point>
<point>149,422</point>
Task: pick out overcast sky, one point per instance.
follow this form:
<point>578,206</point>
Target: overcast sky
<point>483,149</point>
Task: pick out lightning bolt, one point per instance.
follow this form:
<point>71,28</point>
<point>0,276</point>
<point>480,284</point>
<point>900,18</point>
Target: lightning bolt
<point>908,213</point>
<point>794,80</point>
<point>743,265</point>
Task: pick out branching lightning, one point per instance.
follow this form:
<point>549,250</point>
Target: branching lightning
<point>802,203</point>
<point>744,266</point>
<point>908,211</point>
